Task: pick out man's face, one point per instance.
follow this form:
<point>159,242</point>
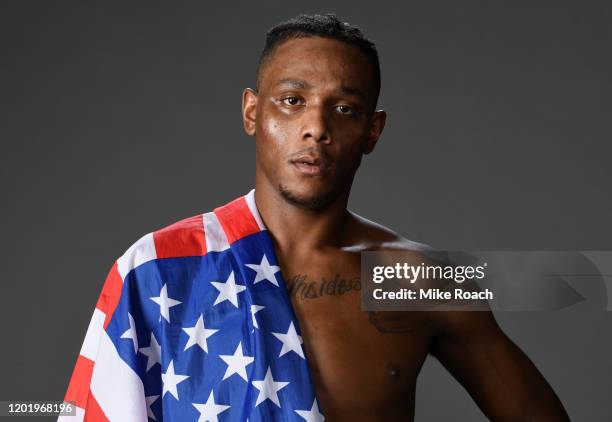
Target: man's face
<point>312,119</point>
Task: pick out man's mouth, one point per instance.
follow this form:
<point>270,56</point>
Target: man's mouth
<point>309,164</point>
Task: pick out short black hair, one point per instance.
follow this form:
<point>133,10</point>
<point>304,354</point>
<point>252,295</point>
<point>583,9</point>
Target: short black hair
<point>328,26</point>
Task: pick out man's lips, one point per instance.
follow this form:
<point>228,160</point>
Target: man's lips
<point>309,164</point>
<point>307,159</point>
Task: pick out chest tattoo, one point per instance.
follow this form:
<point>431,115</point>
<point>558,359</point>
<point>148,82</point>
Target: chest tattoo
<point>301,287</point>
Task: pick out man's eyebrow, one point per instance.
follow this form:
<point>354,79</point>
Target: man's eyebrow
<point>344,89</point>
<point>348,90</point>
<point>294,83</point>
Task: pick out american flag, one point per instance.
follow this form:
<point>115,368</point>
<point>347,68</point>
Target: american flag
<point>194,323</point>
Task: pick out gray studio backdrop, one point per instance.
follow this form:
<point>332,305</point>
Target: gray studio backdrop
<point>118,119</point>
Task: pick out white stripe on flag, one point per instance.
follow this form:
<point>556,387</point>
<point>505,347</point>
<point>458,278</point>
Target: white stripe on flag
<point>89,348</point>
<point>143,250</point>
<point>78,417</point>
<point>116,387</point>
<point>250,200</point>
<point>215,236</point>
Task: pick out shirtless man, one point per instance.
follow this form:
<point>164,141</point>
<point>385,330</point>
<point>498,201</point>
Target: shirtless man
<point>313,116</point>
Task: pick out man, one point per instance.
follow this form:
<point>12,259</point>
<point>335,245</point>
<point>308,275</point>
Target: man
<point>313,116</point>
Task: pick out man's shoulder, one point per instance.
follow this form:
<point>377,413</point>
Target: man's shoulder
<point>368,235</point>
<point>181,238</point>
<point>211,231</point>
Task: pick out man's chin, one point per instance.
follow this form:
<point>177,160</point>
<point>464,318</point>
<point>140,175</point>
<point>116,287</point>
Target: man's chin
<point>316,201</point>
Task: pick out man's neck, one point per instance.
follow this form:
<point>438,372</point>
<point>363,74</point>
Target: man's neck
<point>300,230</point>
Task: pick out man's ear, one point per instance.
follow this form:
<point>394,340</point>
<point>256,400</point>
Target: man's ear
<point>249,110</point>
<point>377,124</point>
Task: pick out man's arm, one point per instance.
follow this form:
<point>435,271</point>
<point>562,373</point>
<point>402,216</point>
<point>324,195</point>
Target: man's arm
<point>502,380</point>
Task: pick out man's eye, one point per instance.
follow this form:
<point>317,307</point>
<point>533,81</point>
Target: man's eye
<point>344,109</point>
<point>291,100</point>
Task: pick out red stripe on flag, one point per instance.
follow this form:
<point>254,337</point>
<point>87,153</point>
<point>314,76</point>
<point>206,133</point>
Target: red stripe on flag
<point>78,389</point>
<point>94,412</point>
<point>236,220</point>
<point>111,292</point>
<point>184,238</point>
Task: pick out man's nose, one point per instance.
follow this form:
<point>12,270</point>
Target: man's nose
<point>315,124</point>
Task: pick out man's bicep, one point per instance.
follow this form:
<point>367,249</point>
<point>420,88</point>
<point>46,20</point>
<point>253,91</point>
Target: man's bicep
<point>497,374</point>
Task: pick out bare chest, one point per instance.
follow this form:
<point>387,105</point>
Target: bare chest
<point>362,363</point>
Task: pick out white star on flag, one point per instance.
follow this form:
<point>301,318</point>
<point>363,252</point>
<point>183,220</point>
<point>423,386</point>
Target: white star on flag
<point>291,341</point>
<point>268,388</point>
<point>150,400</point>
<point>165,303</point>
<point>198,334</point>
<point>312,415</point>
<point>237,363</point>
<point>254,310</point>
<point>265,271</point>
<point>130,333</point>
<point>228,290</point>
<point>170,380</point>
<point>210,409</point>
<point>153,353</point>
